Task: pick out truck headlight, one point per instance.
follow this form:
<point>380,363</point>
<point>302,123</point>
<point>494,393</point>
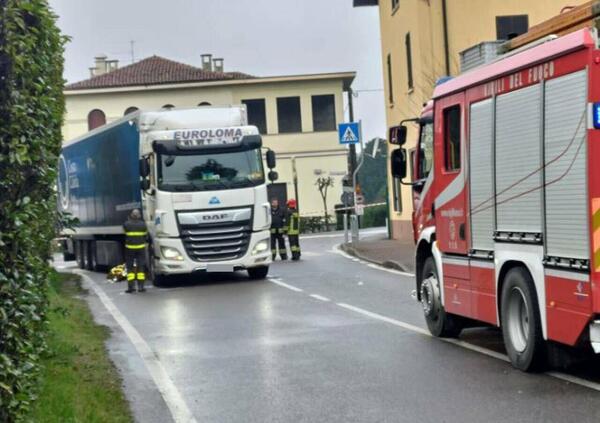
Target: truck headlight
<point>260,247</point>
<point>171,253</point>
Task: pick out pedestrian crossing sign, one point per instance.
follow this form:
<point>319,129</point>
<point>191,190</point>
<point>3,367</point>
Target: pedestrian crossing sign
<point>349,133</point>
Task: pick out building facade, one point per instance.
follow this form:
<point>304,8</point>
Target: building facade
<point>422,41</point>
<point>297,115</point>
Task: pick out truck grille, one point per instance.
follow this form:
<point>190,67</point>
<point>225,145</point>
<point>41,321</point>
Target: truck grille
<point>216,242</point>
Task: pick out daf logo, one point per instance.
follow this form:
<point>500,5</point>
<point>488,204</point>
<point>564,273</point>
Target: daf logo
<point>214,217</point>
<point>214,200</point>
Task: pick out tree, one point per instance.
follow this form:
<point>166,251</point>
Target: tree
<point>323,183</point>
<point>372,176</point>
<point>31,116</point>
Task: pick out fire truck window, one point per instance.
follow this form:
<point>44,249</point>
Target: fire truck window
<point>425,151</point>
<point>452,137</point>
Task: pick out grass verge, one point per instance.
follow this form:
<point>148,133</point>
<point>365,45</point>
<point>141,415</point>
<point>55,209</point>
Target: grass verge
<point>79,382</point>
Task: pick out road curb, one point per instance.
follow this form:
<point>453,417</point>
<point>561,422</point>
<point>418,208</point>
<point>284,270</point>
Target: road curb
<point>388,264</point>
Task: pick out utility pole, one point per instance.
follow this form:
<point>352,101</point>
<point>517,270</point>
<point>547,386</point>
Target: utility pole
<point>352,157</point>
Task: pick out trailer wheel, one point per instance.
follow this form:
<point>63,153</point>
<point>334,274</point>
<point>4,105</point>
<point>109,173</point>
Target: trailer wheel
<point>256,273</point>
<point>87,262</point>
<point>79,254</point>
<point>94,257</point>
<point>521,323</point>
<point>440,323</point>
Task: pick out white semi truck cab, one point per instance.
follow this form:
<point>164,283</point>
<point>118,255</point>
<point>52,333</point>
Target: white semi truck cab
<point>198,177</point>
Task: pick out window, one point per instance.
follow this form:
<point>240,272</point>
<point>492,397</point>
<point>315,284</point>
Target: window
<point>389,75</point>
<point>288,115</point>
<point>168,107</point>
<point>409,70</point>
<point>323,110</point>
<point>130,110</point>
<point>96,118</point>
<point>452,138</point>
<point>425,151</point>
<point>257,114</point>
<point>508,27</point>
<point>204,103</point>
<point>397,192</point>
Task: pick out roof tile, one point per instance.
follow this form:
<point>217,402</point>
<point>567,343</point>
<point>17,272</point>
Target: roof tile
<point>154,70</point>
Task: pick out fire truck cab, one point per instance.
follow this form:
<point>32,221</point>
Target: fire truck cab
<point>506,198</point>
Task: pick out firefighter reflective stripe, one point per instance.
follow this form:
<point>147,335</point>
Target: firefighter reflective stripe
<point>294,226</point>
<point>295,248</point>
<point>130,276</point>
<point>277,230</point>
<point>135,247</point>
<point>596,232</point>
<point>144,233</point>
<point>141,276</point>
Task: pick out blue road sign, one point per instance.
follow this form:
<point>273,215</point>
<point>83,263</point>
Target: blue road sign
<point>349,133</point>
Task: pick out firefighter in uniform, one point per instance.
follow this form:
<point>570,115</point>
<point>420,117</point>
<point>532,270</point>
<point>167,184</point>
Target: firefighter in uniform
<point>293,228</point>
<point>278,227</point>
<point>136,235</point>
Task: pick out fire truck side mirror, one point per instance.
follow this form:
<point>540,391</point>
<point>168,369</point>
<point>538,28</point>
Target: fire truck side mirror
<point>271,162</point>
<point>397,135</point>
<point>398,163</point>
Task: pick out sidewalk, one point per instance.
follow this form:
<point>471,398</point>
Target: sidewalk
<point>393,254</point>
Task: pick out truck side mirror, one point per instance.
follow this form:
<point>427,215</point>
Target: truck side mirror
<point>398,163</point>
<point>398,135</point>
<point>145,184</point>
<point>273,176</point>
<point>271,159</point>
<point>144,167</point>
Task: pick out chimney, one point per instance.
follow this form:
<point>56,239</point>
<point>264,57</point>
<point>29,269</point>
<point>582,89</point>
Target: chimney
<point>218,65</point>
<point>102,65</point>
<point>207,62</point>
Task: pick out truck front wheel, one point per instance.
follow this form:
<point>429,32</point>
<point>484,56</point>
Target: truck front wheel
<point>521,323</point>
<point>260,272</point>
<point>440,323</point>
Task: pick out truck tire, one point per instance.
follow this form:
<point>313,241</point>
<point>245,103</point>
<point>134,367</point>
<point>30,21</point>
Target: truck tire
<point>157,279</point>
<point>440,323</point>
<point>87,262</point>
<point>68,256</point>
<point>94,257</point>
<point>256,273</point>
<point>79,254</point>
<point>521,323</point>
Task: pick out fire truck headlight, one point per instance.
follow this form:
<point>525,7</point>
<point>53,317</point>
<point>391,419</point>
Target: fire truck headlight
<point>260,247</point>
<point>171,253</point>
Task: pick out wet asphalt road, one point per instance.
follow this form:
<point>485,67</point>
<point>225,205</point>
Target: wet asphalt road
<point>327,339</point>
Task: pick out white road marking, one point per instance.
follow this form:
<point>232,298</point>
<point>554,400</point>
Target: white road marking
<point>337,250</point>
<point>285,285</point>
<point>177,406</point>
<point>485,351</point>
<point>341,234</point>
<point>394,322</point>
<point>319,297</point>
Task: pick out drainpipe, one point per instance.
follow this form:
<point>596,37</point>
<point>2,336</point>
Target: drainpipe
<point>446,44</point>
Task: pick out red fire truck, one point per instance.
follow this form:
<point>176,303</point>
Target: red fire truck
<point>506,197</point>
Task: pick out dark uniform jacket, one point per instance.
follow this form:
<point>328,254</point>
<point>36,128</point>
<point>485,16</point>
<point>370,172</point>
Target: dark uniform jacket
<point>136,234</point>
<point>278,219</point>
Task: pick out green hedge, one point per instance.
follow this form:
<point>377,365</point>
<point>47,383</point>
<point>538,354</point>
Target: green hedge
<point>31,114</point>
<point>374,216</point>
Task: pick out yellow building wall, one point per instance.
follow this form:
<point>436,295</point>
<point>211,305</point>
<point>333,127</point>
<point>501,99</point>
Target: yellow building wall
<point>469,22</point>
<point>316,153</point>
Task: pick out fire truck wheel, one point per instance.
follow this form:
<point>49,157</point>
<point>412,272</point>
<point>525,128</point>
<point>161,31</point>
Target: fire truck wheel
<point>521,323</point>
<point>439,322</point>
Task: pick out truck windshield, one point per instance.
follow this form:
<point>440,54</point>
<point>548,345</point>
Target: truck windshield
<point>207,172</point>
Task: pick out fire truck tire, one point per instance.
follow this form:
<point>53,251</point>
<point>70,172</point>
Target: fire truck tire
<point>440,323</point>
<point>521,323</point>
